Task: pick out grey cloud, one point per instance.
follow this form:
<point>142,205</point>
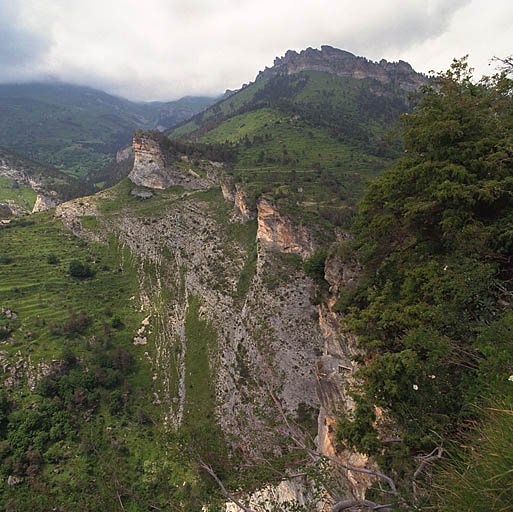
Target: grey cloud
<point>170,48</point>
<point>20,46</point>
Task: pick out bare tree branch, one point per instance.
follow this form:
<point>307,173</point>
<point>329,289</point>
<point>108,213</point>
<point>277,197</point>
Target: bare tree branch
<point>345,504</point>
<point>230,496</point>
<point>427,459</point>
<point>120,502</point>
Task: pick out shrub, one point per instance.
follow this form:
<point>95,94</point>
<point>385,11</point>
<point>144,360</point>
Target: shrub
<point>52,259</point>
<point>80,270</point>
<point>117,323</point>
<point>314,265</point>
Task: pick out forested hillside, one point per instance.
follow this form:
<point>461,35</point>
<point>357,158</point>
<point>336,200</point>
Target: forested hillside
<point>79,129</point>
<point>310,138</point>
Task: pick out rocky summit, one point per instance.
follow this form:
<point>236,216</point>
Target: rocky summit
<point>344,64</point>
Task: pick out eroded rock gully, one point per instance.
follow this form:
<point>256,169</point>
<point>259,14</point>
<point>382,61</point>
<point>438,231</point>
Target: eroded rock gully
<point>269,337</point>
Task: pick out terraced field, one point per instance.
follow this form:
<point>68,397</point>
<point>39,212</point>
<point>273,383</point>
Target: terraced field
<point>85,433</point>
<point>43,293</point>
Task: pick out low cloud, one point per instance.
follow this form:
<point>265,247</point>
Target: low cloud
<point>164,49</point>
<point>21,46</point>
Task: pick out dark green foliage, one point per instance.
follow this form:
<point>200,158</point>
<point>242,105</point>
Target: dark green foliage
<point>356,430</point>
<point>80,270</point>
<point>173,149</point>
<point>434,237</point>
<point>74,325</point>
<point>52,259</point>
<point>117,323</point>
<point>314,265</point>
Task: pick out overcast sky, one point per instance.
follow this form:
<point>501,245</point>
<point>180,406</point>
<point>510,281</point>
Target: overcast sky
<point>165,49</point>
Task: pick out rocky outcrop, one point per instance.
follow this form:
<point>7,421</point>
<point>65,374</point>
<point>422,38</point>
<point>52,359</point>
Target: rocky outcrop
<point>343,63</point>
<point>155,168</point>
<point>43,203</point>
<point>71,212</point>
<point>243,206</point>
<point>280,233</point>
<point>13,208</point>
<point>295,492</point>
<point>51,186</point>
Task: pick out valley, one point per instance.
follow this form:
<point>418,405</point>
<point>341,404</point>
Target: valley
<point>287,301</point>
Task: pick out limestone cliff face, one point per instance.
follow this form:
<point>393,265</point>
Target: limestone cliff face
<point>343,63</point>
<point>278,232</point>
<point>242,204</point>
<point>287,492</point>
<point>153,168</point>
<point>272,330</point>
<point>124,154</point>
<point>244,209</point>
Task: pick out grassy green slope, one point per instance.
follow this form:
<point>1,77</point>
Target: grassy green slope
<point>22,195</point>
<point>84,439</point>
<point>109,443</point>
<point>225,107</point>
<point>310,140</point>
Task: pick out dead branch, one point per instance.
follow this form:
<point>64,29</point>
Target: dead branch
<point>427,459</point>
<point>230,496</point>
<point>345,504</point>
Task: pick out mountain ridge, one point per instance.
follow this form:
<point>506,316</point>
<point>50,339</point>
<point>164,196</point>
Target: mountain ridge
<point>344,63</point>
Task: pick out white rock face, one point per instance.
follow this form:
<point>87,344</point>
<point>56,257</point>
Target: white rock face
<point>280,233</point>
<point>153,169</point>
<point>44,203</point>
<point>294,491</point>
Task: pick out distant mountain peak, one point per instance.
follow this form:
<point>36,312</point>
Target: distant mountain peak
<point>344,63</point>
